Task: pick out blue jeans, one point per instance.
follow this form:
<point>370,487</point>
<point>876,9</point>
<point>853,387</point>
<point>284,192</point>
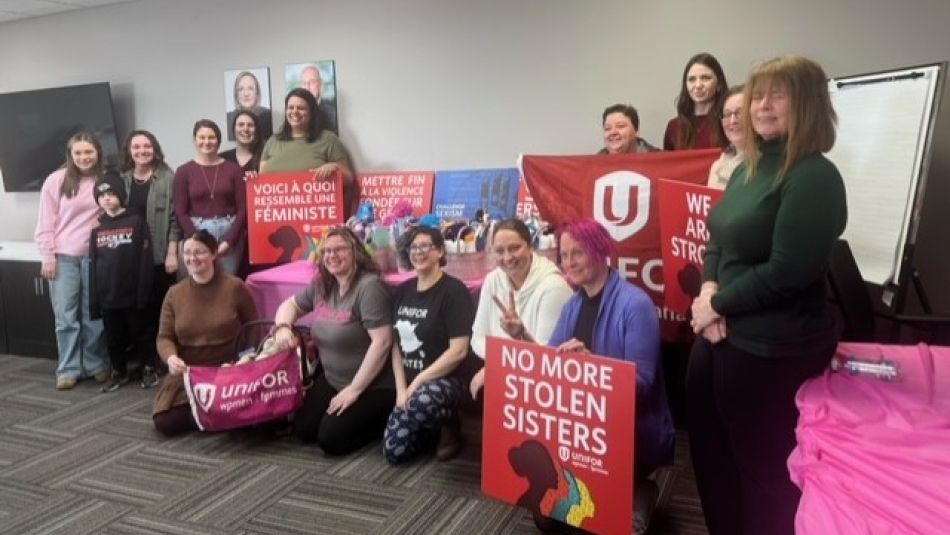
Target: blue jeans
<point>219,227</point>
<point>79,338</point>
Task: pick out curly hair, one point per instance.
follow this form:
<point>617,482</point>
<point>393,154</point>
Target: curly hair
<point>406,239</point>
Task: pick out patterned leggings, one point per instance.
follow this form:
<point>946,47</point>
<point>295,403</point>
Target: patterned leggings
<point>430,406</point>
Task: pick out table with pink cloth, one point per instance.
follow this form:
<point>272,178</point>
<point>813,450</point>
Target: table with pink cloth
<point>873,456</point>
<point>272,286</point>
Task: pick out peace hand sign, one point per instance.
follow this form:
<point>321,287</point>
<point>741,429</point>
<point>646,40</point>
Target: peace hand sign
<point>510,320</point>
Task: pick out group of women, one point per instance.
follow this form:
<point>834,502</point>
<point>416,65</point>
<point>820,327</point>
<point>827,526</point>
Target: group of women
<point>397,366</point>
<point>761,318</point>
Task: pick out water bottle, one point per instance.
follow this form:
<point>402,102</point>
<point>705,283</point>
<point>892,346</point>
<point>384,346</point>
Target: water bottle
<point>885,370</point>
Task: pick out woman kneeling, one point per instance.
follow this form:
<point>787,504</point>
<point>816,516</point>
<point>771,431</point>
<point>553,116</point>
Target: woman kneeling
<point>433,324</point>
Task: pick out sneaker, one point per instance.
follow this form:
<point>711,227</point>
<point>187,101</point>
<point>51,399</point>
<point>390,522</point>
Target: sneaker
<point>149,377</point>
<point>65,383</point>
<point>116,383</point>
<point>102,377</point>
<point>450,441</point>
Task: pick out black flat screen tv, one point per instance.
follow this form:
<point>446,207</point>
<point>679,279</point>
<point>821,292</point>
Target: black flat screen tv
<point>35,126</point>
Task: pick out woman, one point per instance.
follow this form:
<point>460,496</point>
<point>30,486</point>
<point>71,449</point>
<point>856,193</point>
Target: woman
<point>622,131</point>
<point>149,183</point>
<point>348,404</point>
<point>248,143</point>
<point>696,125</point>
<point>762,311</point>
<point>304,143</point>
<point>201,317</point>
<point>433,322</point>
<point>68,213</point>
<point>247,97</point>
<point>521,298</point>
<point>609,316</point>
<point>209,195</point>
<point>721,170</point>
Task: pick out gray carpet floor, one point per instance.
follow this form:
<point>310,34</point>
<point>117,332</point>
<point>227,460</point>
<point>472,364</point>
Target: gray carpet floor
<point>85,462</point>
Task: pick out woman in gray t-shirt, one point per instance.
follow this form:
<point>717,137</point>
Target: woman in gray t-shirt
<point>350,400</point>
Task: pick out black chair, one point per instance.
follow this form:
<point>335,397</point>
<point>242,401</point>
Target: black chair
<point>851,295</point>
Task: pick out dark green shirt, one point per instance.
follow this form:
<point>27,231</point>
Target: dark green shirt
<point>769,250</point>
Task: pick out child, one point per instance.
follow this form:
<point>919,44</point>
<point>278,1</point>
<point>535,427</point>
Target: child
<point>121,280</point>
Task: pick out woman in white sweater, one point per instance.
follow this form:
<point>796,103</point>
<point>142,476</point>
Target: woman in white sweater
<point>521,298</point>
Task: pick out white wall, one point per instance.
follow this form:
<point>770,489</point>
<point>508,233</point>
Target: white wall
<point>447,83</point>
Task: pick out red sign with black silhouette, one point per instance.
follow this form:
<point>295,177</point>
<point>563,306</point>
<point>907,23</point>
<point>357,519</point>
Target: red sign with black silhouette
<point>287,214</point>
<point>559,434</point>
<point>684,233</point>
<point>619,191</point>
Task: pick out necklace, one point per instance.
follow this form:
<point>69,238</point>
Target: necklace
<point>139,179</point>
<point>211,185</point>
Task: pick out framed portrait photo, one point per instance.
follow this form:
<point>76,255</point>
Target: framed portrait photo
<point>248,90</point>
<point>319,78</point>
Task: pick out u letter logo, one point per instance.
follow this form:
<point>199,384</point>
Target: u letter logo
<point>622,203</point>
<point>204,395</point>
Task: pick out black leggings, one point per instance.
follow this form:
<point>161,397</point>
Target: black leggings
<point>360,424</point>
<point>742,419</point>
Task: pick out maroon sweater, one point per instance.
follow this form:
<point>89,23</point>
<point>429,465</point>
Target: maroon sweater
<point>703,126</point>
<point>211,191</point>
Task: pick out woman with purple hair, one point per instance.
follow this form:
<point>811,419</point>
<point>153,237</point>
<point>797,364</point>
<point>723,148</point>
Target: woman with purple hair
<point>609,316</point>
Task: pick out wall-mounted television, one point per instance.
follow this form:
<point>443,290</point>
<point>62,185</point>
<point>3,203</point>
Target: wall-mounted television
<point>35,126</point>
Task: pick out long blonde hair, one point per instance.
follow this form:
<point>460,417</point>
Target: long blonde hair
<point>811,117</point>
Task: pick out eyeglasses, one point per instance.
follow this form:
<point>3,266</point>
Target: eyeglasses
<point>726,115</point>
<point>338,251</point>
<point>422,248</point>
<point>196,254</point>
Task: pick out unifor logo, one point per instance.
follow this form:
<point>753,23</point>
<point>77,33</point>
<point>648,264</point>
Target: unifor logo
<point>622,203</point>
<point>204,395</point>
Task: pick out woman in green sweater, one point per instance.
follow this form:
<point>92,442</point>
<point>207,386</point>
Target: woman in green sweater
<point>762,312</point>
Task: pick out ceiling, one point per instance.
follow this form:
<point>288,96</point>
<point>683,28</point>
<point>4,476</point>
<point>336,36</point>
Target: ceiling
<point>24,9</point>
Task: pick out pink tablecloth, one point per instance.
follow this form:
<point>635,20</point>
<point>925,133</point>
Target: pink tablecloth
<point>874,457</point>
<point>272,286</point>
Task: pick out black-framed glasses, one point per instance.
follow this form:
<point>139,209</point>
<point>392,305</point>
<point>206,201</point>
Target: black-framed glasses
<point>421,248</point>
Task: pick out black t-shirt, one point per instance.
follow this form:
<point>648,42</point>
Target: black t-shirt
<point>584,330</point>
<point>138,197</point>
<point>426,321</point>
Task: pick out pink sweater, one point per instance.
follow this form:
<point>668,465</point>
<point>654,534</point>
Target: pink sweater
<point>65,224</point>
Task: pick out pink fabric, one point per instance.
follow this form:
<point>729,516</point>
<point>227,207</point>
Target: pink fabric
<point>272,286</point>
<point>65,224</point>
<point>231,397</point>
<point>874,457</point>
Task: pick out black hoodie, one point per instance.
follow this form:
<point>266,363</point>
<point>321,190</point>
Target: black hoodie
<point>121,272</point>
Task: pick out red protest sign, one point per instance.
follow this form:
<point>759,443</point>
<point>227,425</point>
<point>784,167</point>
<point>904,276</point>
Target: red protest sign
<point>559,434</point>
<point>386,188</point>
<point>619,191</point>
<point>525,206</point>
<point>287,213</point>
<point>684,232</point>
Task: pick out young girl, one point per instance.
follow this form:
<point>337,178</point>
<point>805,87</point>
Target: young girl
<point>702,93</point>
<point>68,213</point>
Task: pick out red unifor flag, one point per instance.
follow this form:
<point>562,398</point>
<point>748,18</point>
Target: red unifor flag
<point>620,192</point>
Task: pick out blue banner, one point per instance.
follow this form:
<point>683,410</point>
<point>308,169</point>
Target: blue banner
<point>459,194</point>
